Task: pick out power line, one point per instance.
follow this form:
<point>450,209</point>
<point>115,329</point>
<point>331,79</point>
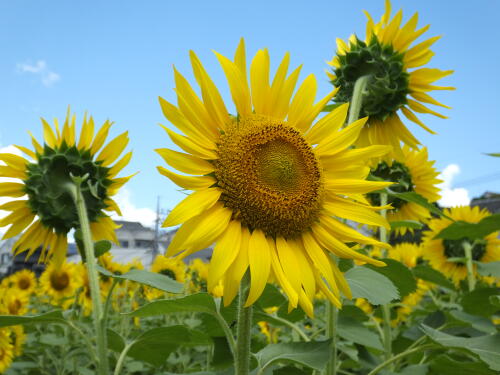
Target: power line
<point>479,180</point>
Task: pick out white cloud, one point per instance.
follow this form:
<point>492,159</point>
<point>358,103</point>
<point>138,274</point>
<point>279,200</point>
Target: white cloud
<point>40,68</point>
<point>145,216</point>
<point>451,196</point>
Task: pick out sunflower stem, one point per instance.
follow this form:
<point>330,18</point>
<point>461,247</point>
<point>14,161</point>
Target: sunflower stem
<point>331,331</point>
<point>95,291</point>
<point>386,310</point>
<point>471,280</point>
<point>242,358</point>
<point>357,98</point>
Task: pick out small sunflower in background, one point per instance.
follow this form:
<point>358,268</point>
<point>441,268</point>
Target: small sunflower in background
<point>198,272</point>
<point>60,282</point>
<point>438,251</point>
<point>269,183</point>
<point>6,350</point>
<point>414,172</point>
<point>25,281</point>
<point>17,338</point>
<point>45,212</point>
<point>173,268</point>
<point>14,303</point>
<point>389,57</point>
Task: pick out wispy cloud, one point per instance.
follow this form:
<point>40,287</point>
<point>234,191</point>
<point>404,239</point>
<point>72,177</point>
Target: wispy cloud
<point>41,69</point>
<point>452,196</point>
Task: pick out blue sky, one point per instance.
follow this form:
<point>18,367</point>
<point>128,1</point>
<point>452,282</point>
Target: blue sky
<point>114,58</point>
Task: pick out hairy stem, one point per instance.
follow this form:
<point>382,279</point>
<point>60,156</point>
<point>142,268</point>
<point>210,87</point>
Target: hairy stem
<point>471,280</point>
<point>357,98</point>
<point>386,311</point>
<point>242,358</point>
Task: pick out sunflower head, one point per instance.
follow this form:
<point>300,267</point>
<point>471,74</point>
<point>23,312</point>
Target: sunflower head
<point>442,253</point>
<point>413,172</point>
<point>48,213</point>
<point>14,303</point>
<point>270,183</point>
<point>6,350</point>
<point>25,281</point>
<point>172,268</point>
<point>60,282</point>
<point>387,57</point>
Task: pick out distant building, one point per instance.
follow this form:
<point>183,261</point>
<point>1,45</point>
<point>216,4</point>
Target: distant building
<point>488,200</point>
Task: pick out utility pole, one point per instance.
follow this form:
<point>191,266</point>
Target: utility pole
<point>156,241</point>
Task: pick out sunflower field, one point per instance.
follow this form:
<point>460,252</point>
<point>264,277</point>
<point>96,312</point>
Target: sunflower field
<point>329,252</point>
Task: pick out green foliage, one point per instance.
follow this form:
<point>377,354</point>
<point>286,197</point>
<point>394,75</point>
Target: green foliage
<point>485,347</point>
<point>445,365</point>
<point>200,302</point>
<point>472,231</point>
<point>371,285</point>
<point>428,273</point>
<point>477,302</point>
<point>414,197</point>
<point>155,280</point>
<point>352,330</point>
<point>406,224</point>
<point>399,274</point>
<point>100,247</point>
<point>314,355</point>
<point>48,317</point>
<point>488,269</point>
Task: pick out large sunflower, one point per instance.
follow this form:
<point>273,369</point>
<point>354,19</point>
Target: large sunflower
<point>389,58</point>
<point>47,213</point>
<point>267,183</point>
<point>412,172</point>
<point>438,251</point>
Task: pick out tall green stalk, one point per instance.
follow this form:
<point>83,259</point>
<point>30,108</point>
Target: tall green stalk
<point>357,98</point>
<point>471,280</point>
<point>95,291</point>
<point>243,331</point>
<point>331,330</point>
<point>386,311</point>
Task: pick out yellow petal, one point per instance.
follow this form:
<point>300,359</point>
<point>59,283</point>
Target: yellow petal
<point>113,149</point>
<point>240,59</point>
<point>185,163</point>
<point>259,259</point>
<point>347,210</point>
<point>27,151</point>
<point>347,186</point>
<point>100,137</point>
<point>420,108</point>
<point>188,182</point>
<point>318,257</point>
<point>303,100</point>
<point>120,164</point>
<point>339,141</point>
<point>224,253</point>
<point>259,81</point>
<point>328,125</point>
<point>411,116</point>
<point>48,135</point>
<point>237,84</point>
<point>282,103</point>
<point>423,97</point>
<point>189,146</point>
<point>235,273</point>
<point>86,134</point>
<point>192,206</point>
<point>293,297</point>
<point>11,189</point>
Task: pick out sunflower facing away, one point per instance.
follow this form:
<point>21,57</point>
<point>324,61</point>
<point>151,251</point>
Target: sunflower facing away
<point>389,57</point>
<point>46,212</point>
<point>413,172</point>
<point>268,184</point>
<point>438,251</point>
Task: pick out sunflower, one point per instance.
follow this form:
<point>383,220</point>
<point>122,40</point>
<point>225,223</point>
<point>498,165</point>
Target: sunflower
<point>412,172</point>
<point>267,183</point>
<point>389,58</point>
<point>173,268</point>
<point>14,303</point>
<point>6,350</point>
<point>198,274</point>
<point>60,283</point>
<point>18,338</point>
<point>84,297</point>
<point>46,212</point>
<point>438,251</point>
<point>25,281</point>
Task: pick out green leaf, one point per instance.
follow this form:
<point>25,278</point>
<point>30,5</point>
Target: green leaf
<point>115,340</point>
<point>330,107</point>
<point>155,345</point>
<point>413,197</point>
<point>487,347</point>
<point>444,365</point>
<point>428,273</point>
<point>371,285</point>
<point>48,317</point>
<point>406,224</point>
<point>100,247</point>
<point>415,370</point>
<point>314,354</point>
<point>399,274</point>
<point>478,302</point>
<point>472,231</point>
<point>155,280</point>
<point>495,300</point>
<point>495,154</point>
<point>488,269</point>
<point>270,297</point>
<point>200,302</point>
<point>352,330</point>
<point>478,322</point>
